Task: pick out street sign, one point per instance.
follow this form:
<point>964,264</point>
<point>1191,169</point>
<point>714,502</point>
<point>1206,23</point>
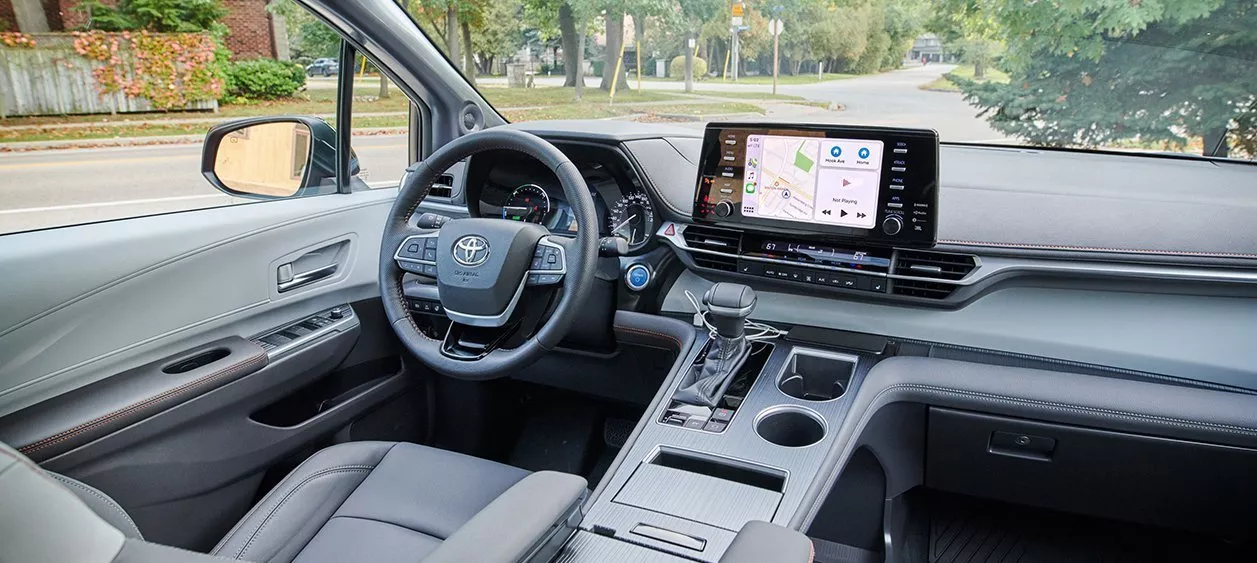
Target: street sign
<point>737,20</point>
<point>738,10</point>
<point>775,27</point>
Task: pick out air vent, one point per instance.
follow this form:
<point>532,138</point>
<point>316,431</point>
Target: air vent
<point>713,262</point>
<point>937,265</point>
<point>923,289</point>
<point>717,240</point>
<point>442,187</point>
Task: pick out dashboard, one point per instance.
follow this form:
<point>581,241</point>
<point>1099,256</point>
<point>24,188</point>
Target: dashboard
<point>1144,263</point>
<point>518,188</point>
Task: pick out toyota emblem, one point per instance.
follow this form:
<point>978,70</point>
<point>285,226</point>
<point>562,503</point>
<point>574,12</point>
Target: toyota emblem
<point>471,250</point>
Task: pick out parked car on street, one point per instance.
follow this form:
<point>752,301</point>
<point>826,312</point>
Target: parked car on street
<point>323,67</point>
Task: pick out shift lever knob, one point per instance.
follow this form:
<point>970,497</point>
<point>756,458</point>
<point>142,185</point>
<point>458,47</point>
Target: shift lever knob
<point>728,306</point>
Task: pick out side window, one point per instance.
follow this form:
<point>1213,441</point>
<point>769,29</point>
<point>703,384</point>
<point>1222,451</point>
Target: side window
<point>126,140</point>
<point>381,122</point>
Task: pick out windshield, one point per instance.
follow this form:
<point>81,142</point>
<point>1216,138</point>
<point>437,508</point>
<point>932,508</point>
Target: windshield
<point>1175,76</point>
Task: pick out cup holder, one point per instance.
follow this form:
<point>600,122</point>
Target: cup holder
<point>813,377</point>
<point>791,427</point>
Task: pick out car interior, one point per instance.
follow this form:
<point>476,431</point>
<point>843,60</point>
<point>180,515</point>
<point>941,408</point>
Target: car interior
<point>594,340</point>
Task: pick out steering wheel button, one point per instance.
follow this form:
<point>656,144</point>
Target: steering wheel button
<point>533,279</point>
<point>430,242</point>
<point>413,248</point>
<point>429,270</point>
<point>430,254</point>
<point>536,263</point>
<point>547,279</point>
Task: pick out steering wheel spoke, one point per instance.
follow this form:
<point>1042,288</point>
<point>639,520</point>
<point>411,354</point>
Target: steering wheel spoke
<point>468,343</point>
<point>549,261</point>
<point>417,253</point>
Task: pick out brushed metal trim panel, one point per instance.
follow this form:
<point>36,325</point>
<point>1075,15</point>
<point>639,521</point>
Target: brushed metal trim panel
<point>588,547</point>
<point>701,498</point>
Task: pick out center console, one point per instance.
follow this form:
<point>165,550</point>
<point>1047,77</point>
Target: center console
<point>741,429</point>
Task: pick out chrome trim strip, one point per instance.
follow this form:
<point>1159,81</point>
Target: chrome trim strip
<point>489,320</point>
<point>988,266</point>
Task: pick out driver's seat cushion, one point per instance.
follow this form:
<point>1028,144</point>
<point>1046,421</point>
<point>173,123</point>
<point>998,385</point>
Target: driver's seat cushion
<point>367,501</point>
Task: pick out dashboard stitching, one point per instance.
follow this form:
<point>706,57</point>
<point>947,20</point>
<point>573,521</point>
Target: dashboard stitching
<point>643,332</point>
<point>1028,246</point>
<point>70,433</point>
<point>1075,408</point>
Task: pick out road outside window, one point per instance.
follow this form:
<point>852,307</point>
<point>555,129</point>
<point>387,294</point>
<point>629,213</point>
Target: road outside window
<point>126,146</point>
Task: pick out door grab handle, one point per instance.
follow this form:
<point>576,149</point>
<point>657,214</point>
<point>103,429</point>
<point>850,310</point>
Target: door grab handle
<point>307,278</point>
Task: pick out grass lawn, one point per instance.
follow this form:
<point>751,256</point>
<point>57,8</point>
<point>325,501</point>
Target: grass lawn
<point>600,111</point>
<point>551,96</point>
<point>944,84</point>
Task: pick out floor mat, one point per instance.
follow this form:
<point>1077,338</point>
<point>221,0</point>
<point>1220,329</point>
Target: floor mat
<point>833,552</point>
<point>964,530</point>
<point>556,438</point>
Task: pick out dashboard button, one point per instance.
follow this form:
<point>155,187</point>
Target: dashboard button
<point>724,209</point>
<point>878,285</point>
<point>637,277</point>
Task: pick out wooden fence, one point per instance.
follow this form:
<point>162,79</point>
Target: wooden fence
<point>51,79</point>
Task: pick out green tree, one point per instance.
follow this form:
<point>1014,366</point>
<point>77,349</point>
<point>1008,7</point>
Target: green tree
<point>1098,72</point>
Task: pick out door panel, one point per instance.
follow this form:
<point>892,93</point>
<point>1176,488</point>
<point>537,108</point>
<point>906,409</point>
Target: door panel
<point>131,352</point>
<point>85,302</point>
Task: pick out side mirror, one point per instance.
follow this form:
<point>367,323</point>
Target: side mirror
<point>272,157</point>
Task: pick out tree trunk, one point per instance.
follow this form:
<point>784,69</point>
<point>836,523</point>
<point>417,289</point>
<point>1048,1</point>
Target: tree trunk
<point>580,65</point>
<point>979,68</point>
<point>451,33</point>
<point>639,35</point>
<point>383,87</point>
<point>572,52</point>
<point>615,40</point>
<point>469,59</point>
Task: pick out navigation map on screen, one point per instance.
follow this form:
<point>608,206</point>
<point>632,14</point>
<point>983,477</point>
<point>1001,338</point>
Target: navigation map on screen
<point>812,179</point>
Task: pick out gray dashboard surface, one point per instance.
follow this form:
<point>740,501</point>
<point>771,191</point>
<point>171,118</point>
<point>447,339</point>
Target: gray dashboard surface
<point>1021,198</point>
<point>1188,336</point>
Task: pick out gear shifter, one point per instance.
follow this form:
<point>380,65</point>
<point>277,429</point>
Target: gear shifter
<point>728,306</point>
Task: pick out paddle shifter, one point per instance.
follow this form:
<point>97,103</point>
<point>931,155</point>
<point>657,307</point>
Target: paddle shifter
<point>728,306</point>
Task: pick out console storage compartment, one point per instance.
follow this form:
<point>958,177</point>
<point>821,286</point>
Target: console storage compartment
<point>719,492</point>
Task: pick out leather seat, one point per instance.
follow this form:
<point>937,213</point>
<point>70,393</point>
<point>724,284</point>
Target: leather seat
<point>359,501</point>
<point>368,501</point>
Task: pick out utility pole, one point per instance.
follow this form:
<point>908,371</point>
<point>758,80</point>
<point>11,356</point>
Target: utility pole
<point>774,27</point>
<point>736,11</point>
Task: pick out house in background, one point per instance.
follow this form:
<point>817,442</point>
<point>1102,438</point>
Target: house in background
<point>931,47</point>
<point>254,32</point>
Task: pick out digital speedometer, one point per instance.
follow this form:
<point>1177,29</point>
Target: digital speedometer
<point>633,219</point>
<point>529,203</point>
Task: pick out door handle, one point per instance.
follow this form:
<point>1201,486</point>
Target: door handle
<point>306,278</point>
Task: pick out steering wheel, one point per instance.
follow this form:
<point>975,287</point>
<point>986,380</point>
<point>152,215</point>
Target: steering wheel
<point>482,266</point>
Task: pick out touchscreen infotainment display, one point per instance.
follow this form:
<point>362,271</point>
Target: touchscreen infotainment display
<point>865,183</point>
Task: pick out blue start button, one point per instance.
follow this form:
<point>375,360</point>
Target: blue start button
<point>637,277</point>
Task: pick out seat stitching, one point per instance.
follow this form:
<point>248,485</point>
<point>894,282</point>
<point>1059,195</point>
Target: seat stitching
<point>644,332</point>
<point>289,494</point>
<point>92,491</point>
